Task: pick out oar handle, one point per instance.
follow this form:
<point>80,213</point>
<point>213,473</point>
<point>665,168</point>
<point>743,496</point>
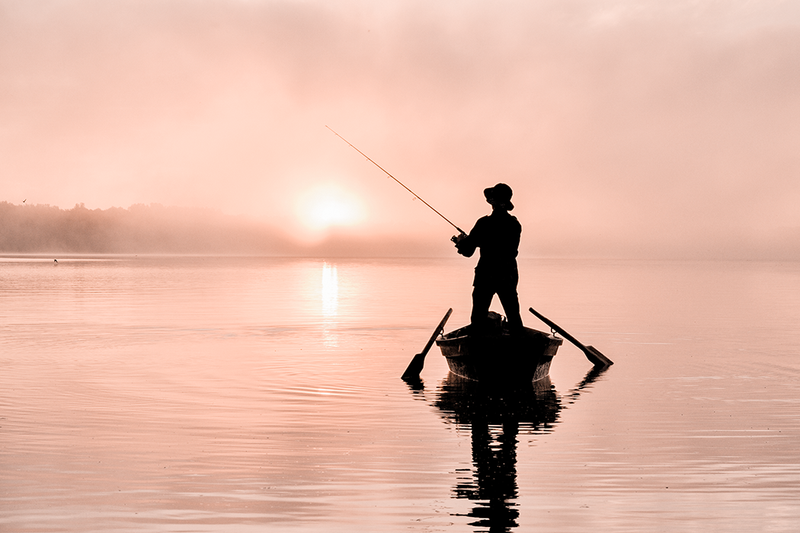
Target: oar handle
<point>557,328</point>
<point>436,332</point>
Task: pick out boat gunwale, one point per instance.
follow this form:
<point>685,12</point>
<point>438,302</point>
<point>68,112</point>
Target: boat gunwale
<point>463,334</point>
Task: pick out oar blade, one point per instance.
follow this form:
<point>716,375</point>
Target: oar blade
<point>414,367</point>
<point>596,357</point>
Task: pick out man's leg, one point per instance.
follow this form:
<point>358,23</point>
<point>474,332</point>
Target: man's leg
<point>510,300</point>
<point>481,300</point>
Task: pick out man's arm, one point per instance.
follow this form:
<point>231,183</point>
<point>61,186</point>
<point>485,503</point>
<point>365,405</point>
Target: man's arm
<point>466,244</point>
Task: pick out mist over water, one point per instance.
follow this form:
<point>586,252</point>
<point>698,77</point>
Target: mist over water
<point>623,126</point>
<point>220,394</point>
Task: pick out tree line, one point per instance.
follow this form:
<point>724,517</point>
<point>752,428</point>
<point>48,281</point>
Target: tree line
<point>139,229</point>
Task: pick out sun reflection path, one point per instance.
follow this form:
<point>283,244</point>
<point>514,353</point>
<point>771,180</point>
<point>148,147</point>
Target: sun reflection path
<point>330,304</point>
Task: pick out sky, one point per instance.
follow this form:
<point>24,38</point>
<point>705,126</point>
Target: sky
<point>625,128</point>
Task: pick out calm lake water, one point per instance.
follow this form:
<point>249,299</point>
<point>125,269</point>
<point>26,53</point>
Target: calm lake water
<point>260,394</point>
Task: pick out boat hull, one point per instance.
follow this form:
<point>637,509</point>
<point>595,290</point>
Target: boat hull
<point>500,357</point>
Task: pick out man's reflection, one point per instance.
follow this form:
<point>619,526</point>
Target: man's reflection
<point>494,482</point>
<point>496,418</point>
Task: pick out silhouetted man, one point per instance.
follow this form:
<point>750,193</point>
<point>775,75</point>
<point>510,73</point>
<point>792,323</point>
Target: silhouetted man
<point>497,235</point>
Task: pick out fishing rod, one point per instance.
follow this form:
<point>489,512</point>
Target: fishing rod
<point>461,231</point>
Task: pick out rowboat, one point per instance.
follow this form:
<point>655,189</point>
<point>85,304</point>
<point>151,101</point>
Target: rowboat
<point>498,355</point>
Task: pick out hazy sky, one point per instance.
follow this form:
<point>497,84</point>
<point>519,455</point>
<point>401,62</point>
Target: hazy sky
<point>636,126</point>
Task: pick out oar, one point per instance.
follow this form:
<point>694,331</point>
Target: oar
<point>416,364</point>
<point>592,353</point>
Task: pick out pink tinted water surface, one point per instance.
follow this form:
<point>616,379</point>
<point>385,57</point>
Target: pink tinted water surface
<point>263,394</point>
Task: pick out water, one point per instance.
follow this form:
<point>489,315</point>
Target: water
<point>255,394</point>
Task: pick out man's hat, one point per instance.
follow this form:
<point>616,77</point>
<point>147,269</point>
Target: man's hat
<point>500,193</point>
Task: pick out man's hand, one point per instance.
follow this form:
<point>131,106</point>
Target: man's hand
<point>458,238</point>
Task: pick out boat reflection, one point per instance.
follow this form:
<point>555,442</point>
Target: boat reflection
<point>497,418</point>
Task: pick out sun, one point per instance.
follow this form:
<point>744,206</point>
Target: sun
<point>324,206</point>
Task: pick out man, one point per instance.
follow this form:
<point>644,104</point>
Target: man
<point>497,235</point>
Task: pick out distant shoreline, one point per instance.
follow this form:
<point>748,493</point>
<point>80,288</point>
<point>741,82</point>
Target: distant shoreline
<point>156,230</point>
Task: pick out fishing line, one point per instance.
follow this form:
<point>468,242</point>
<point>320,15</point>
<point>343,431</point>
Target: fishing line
<point>398,181</point>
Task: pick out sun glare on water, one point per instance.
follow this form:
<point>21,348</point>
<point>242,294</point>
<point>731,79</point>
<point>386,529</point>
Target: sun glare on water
<point>325,206</point>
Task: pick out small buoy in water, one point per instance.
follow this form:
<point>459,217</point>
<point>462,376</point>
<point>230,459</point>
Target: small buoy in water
<point>55,261</point>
